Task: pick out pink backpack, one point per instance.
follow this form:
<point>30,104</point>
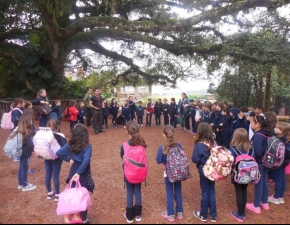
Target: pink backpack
<point>6,121</point>
<point>135,163</point>
<point>287,170</point>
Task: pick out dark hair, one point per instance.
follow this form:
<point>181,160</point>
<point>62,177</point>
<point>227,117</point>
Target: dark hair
<point>29,112</point>
<point>173,99</point>
<point>221,105</point>
<point>207,105</point>
<point>88,89</point>
<point>225,103</point>
<point>53,124</point>
<point>18,101</point>
<point>27,104</point>
<point>168,131</point>
<point>140,102</point>
<point>112,101</point>
<point>133,130</point>
<point>79,138</point>
<point>72,102</point>
<point>191,100</point>
<point>241,140</point>
<point>265,124</point>
<point>24,128</point>
<point>259,107</point>
<point>244,109</point>
<point>227,110</point>
<point>272,117</point>
<point>184,94</point>
<point>252,114</point>
<point>205,134</point>
<point>149,99</point>
<point>199,104</point>
<point>56,101</point>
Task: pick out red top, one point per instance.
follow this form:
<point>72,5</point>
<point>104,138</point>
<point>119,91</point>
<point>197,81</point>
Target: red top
<point>150,109</point>
<point>73,113</point>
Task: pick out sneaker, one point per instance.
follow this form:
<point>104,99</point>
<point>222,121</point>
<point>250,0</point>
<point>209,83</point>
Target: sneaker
<point>124,127</point>
<point>50,195</point>
<point>138,125</point>
<point>265,206</point>
<point>237,217</point>
<point>17,160</point>
<point>198,216</point>
<point>29,187</point>
<point>88,221</point>
<point>56,198</point>
<point>271,182</point>
<point>252,208</point>
<point>271,199</point>
<point>142,125</point>
<point>281,200</point>
<point>128,221</point>
<point>138,218</point>
<point>179,215</point>
<point>170,218</point>
<point>20,187</point>
<point>213,219</point>
<point>30,172</point>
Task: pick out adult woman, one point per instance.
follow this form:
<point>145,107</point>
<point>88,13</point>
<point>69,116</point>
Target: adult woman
<point>185,99</point>
<point>41,100</point>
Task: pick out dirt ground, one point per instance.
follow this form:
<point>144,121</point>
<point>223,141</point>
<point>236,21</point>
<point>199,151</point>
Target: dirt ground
<point>109,199</point>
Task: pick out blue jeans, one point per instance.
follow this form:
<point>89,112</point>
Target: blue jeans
<point>72,124</point>
<point>22,172</point>
<point>280,182</point>
<point>133,190</point>
<point>173,192</point>
<point>52,169</point>
<point>173,121</point>
<point>262,188</point>
<point>208,199</point>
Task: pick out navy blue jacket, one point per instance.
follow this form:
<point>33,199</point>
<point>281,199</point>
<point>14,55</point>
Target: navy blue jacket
<point>242,123</point>
<point>161,158</point>
<point>28,147</point>
<point>173,109</point>
<point>165,109</point>
<point>233,126</point>
<point>132,106</point>
<point>200,155</point>
<point>15,116</point>
<point>37,102</point>
<point>140,111</point>
<point>105,111</point>
<point>217,119</point>
<point>114,109</point>
<point>57,110</point>
<point>259,143</point>
<point>186,112</point>
<point>207,117</point>
<point>82,112</point>
<point>158,109</point>
<point>126,112</point>
<point>192,112</point>
<point>226,121</point>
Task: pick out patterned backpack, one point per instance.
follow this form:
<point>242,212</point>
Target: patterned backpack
<point>219,164</point>
<point>246,169</point>
<point>177,166</point>
<point>13,147</point>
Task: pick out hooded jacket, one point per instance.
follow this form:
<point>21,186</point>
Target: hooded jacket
<point>233,127</point>
<point>260,143</point>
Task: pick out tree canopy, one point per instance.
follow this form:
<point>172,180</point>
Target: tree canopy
<point>40,39</point>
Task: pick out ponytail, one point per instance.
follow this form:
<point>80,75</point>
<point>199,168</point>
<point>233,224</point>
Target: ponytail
<point>168,131</point>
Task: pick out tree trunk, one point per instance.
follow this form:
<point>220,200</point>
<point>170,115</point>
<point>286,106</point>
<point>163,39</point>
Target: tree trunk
<point>119,92</point>
<point>150,89</point>
<point>136,93</point>
<point>267,91</point>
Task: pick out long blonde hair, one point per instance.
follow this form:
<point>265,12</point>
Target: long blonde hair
<point>285,128</point>
<point>168,131</point>
<point>24,128</point>
<point>241,140</point>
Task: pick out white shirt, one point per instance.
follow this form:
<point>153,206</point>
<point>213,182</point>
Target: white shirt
<point>197,115</point>
<point>251,133</point>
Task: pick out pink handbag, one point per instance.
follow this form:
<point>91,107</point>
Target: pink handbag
<point>287,170</point>
<point>73,200</point>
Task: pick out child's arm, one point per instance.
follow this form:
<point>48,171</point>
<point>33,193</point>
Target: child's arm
<point>63,153</point>
<point>196,155</point>
<point>86,160</point>
<point>159,157</point>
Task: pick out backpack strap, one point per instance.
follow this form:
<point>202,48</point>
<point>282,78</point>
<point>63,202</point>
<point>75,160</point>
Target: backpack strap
<point>17,110</point>
<point>267,137</point>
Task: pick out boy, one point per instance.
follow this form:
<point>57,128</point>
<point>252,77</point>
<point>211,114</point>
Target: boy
<point>225,127</point>
<point>207,115</point>
<point>259,110</point>
<point>149,112</point>
<point>234,116</point>
<point>173,112</point>
<point>241,120</point>
<point>192,115</point>
<point>248,118</point>
<point>56,111</point>
<point>132,108</point>
<point>165,112</point>
<point>82,112</point>
<point>140,113</point>
<point>158,108</point>
<point>186,116</point>
<point>217,119</point>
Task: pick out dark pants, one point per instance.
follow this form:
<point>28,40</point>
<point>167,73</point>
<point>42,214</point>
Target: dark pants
<point>173,121</point>
<point>193,124</point>
<point>72,124</point>
<point>219,137</point>
<point>226,139</point>
<point>195,127</point>
<point>132,115</point>
<point>208,199</point>
<point>186,123</point>
<point>88,116</point>
<point>148,119</point>
<point>262,188</point>
<point>81,120</point>
<point>105,121</point>
<point>280,182</point>
<point>126,120</point>
<point>22,172</point>
<point>140,120</point>
<point>52,169</point>
<point>173,192</point>
<point>114,119</point>
<point>42,121</point>
<point>241,198</point>
<point>133,190</point>
<point>97,120</point>
<point>166,119</point>
<point>158,119</point>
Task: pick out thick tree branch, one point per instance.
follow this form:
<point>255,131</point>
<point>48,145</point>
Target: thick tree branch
<point>17,33</point>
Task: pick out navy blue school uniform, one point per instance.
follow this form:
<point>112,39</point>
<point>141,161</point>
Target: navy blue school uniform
<point>82,114</point>
<point>226,136</point>
<point>15,116</point>
<point>200,155</point>
<point>55,113</point>
<point>186,115</point>
<point>207,117</point>
<point>158,108</point>
<point>105,113</point>
<point>192,115</point>
<point>166,113</point>
<point>132,107</point>
<point>173,112</point>
<point>126,113</point>
<point>114,109</point>
<point>233,126</point>
<point>242,123</point>
<point>140,114</point>
<point>41,117</point>
<point>217,121</point>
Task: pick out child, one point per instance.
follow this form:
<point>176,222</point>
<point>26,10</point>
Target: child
<point>259,110</point>
<point>217,119</point>
<point>248,118</point>
<point>207,114</point>
<point>240,145</point>
<point>192,115</point>
<point>105,113</point>
<point>225,127</point>
<point>234,116</point>
<point>198,115</point>
<point>263,131</point>
<point>158,108</point>
<point>53,167</point>
<point>149,112</point>
<point>165,112</point>
<point>140,114</point>
<point>73,113</point>
<point>79,152</point>
<point>282,131</point>
<point>56,110</point>
<point>173,112</point>
<point>126,113</point>
<point>17,111</point>
<point>132,107</point>
<point>173,190</point>
<point>26,130</point>
<point>135,211</point>
<point>82,112</point>
<point>203,142</point>
<point>186,116</point>
<point>241,120</point>
<point>114,109</point>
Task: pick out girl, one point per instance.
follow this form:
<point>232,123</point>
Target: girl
<point>149,111</point>
<point>204,141</point>
<point>82,112</point>
<point>173,112</point>
<point>114,109</point>
<point>198,115</point>
<point>41,100</point>
<point>240,145</point>
<point>165,112</point>
<point>263,131</point>
<point>282,131</point>
<point>17,111</point>
<point>135,139</point>
<point>79,151</point>
<point>105,113</point>
<point>52,167</point>
<point>173,190</point>
<point>73,113</point>
<point>126,113</point>
<point>25,129</point>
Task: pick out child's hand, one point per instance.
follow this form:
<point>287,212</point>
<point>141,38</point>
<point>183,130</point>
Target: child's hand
<point>217,129</point>
<point>71,161</point>
<point>84,117</point>
<point>76,177</point>
<point>221,124</point>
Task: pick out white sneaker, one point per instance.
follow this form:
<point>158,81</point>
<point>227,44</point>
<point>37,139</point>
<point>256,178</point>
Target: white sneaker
<point>273,200</point>
<point>142,125</point>
<point>281,200</point>
<point>29,187</point>
<point>124,127</point>
<point>20,187</point>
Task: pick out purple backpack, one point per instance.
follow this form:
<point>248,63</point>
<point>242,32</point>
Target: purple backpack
<point>177,166</point>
